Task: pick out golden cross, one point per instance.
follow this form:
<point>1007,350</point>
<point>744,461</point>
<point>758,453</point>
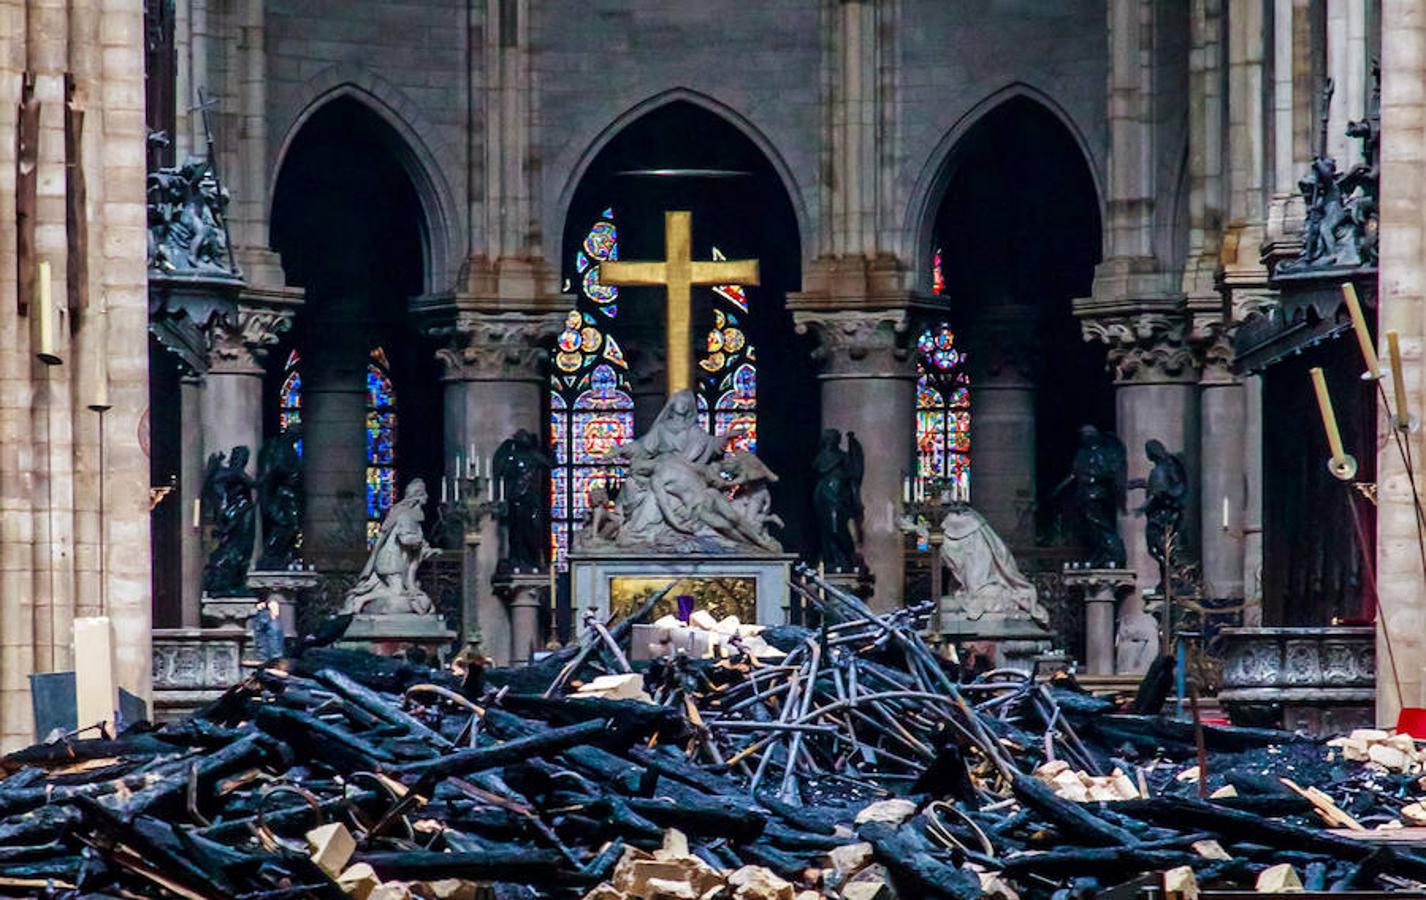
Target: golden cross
<point>678,272</point>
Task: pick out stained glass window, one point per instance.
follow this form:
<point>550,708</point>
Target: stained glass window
<point>380,443</point>
<point>728,382</point>
<point>591,410</point>
<point>289,396</point>
<point>938,275</point>
<point>942,408</point>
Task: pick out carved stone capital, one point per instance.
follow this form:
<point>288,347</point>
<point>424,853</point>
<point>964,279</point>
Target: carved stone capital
<point>507,346</point>
<point>239,342</point>
<point>860,343</point>
<point>1213,344</point>
<point>1146,348</point>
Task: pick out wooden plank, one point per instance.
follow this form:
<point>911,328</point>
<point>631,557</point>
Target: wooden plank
<point>27,165</point>
<point>76,202</point>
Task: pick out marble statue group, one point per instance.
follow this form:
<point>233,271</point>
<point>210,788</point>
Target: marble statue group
<point>683,492</point>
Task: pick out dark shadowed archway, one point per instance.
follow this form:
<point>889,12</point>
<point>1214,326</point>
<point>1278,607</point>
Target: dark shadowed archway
<point>350,228</point>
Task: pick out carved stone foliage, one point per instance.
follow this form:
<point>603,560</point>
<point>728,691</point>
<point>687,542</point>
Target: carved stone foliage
<point>1149,347</point>
<point>240,341</point>
<point>860,342</point>
<point>495,346</point>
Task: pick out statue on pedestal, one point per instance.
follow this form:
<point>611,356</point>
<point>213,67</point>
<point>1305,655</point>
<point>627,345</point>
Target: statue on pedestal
<point>989,584</point>
<point>521,466</point>
<point>228,494</point>
<point>279,487</point>
<point>1165,494</point>
<point>836,498</point>
<point>681,494</point>
<point>186,205</point>
<point>388,580</point>
<point>1097,481</point>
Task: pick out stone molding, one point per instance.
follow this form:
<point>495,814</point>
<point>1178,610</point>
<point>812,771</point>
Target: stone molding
<point>1148,348</point>
<point>495,346</point>
<point>860,343</point>
<point>1212,342</point>
<point>239,342</point>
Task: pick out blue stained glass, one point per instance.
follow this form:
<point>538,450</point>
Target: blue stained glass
<point>381,427</point>
<point>289,401</point>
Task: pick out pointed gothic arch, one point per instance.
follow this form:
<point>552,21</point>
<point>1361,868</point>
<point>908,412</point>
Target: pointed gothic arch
<point>443,224</point>
<point>940,166</point>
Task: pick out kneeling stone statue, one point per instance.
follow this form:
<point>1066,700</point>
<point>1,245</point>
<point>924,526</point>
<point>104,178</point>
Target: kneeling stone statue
<point>989,585</point>
<point>388,580</point>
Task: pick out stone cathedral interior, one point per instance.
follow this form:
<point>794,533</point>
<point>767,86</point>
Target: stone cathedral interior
<point>628,449</point>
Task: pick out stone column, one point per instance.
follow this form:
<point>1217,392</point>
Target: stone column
<point>1223,488</point>
<point>190,480</point>
<point>1347,67</point>
<point>1002,360</point>
<point>1401,584</point>
<point>494,385</point>
<point>869,387</point>
<point>1155,396</point>
<point>1252,516</point>
<point>334,448</point>
<point>238,345</point>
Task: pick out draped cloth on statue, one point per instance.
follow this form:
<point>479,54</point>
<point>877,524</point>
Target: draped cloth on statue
<point>989,584</point>
<point>682,494</point>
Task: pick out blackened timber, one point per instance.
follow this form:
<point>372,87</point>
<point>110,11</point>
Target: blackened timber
<point>478,759</point>
<point>542,867</point>
<point>1071,818</point>
<point>320,741</point>
<point>379,706</point>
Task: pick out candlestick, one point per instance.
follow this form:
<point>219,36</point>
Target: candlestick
<point>1398,380</point>
<point>1342,465</point>
<point>1364,335</point>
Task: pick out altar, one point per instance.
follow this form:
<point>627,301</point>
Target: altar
<point>753,587</point>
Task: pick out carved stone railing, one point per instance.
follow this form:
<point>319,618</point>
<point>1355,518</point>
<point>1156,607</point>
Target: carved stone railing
<point>192,666</point>
<point>1317,680</point>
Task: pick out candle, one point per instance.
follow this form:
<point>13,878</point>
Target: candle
<point>458,468</point>
<point>554,584</point>
<point>444,480</point>
<point>455,489</point>
<point>197,513</point>
<point>48,351</point>
<point>906,489</point>
<point>99,402</point>
<point>1329,418</point>
<point>1364,335</point>
<point>1225,513</point>
<point>1398,379</point>
<point>473,460</point>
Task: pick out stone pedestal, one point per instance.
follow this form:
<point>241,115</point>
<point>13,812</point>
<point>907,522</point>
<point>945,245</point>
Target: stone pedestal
<point>193,666</point>
<point>592,576</point>
<point>289,589</point>
<point>394,633</point>
<point>1101,590</point>
<point>525,595</point>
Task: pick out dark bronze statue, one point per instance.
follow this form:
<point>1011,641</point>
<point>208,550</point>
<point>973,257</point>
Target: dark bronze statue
<point>186,232</point>
<point>520,467</point>
<point>1340,227</point>
<point>228,495</point>
<point>279,491</point>
<point>1165,495</point>
<point>1097,484</point>
<point>836,498</point>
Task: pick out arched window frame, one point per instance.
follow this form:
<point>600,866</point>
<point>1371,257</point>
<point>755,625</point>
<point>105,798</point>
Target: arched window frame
<point>943,414</point>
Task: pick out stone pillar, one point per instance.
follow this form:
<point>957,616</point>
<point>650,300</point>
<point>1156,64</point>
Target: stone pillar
<point>1002,357</point>
<point>1347,67</point>
<point>869,387</point>
<point>334,449</point>
<point>238,346</point>
<point>1155,396</point>
<point>494,385</point>
<point>1401,583</point>
<point>190,482</point>
<point>1223,489</point>
<point>1252,520</point>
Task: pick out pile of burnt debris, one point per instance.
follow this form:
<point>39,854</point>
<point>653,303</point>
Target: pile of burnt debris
<point>843,761</point>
